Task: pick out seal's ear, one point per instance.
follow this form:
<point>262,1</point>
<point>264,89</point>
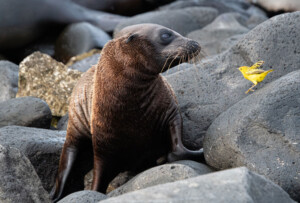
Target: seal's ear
<point>130,38</point>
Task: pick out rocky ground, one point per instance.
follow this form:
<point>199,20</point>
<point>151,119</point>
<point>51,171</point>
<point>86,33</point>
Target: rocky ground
<point>251,141</point>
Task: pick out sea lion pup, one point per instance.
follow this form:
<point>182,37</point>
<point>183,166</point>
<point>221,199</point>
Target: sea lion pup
<point>122,111</point>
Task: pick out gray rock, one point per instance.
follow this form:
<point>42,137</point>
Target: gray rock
<point>8,80</point>
<point>162,174</point>
<point>79,38</point>
<point>229,42</point>
<point>235,185</point>
<point>211,87</point>
<point>86,63</point>
<point>25,111</point>
<point>42,147</point>
<point>86,196</point>
<point>257,16</point>
<point>182,21</point>
<point>261,132</point>
<point>63,122</point>
<point>224,26</point>
<point>221,6</point>
<point>278,5</point>
<point>19,181</point>
<point>43,77</point>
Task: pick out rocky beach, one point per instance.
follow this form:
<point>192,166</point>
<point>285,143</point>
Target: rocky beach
<point>251,142</point>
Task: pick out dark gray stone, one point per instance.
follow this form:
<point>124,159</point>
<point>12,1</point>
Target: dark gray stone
<point>86,196</point>
<point>19,181</point>
<point>63,122</point>
<point>162,174</point>
<point>262,132</point>
<point>42,147</point>
<point>224,26</point>
<point>86,63</point>
<point>25,111</point>
<point>221,6</point>
<point>182,21</point>
<point>8,80</point>
<point>211,87</point>
<point>235,185</point>
<point>79,38</point>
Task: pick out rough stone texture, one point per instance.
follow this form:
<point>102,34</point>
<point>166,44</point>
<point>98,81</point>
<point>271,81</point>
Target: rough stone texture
<point>224,26</point>
<point>182,21</point>
<point>261,132</point>
<point>19,181</point>
<point>25,111</point>
<point>43,77</point>
<point>209,88</point>
<point>86,196</point>
<point>42,147</point>
<point>8,80</point>
<point>235,185</point>
<point>162,174</point>
<point>278,5</point>
<point>86,63</point>
<point>79,38</point>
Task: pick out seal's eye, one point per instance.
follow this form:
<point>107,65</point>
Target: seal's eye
<point>166,37</point>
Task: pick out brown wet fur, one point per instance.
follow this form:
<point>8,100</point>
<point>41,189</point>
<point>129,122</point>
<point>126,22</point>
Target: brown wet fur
<point>123,115</point>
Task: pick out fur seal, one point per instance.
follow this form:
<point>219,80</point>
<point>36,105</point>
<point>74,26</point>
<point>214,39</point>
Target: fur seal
<point>122,112</point>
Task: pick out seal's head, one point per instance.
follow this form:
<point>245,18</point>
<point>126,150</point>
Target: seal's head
<point>156,47</point>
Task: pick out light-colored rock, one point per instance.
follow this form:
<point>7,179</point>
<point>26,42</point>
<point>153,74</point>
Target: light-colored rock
<point>8,80</point>
<point>43,77</point>
<point>163,174</point>
<point>235,185</point>
<point>19,181</point>
<point>85,196</point>
<point>278,5</point>
<point>42,147</point>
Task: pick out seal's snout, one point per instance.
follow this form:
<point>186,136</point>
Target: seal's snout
<point>193,47</point>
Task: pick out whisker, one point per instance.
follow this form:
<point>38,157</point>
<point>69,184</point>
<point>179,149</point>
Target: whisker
<point>165,63</point>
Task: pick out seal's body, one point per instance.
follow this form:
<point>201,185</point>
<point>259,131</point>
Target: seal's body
<point>123,110</point>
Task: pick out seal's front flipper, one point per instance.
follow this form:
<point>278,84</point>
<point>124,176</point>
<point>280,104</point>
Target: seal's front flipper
<point>178,150</point>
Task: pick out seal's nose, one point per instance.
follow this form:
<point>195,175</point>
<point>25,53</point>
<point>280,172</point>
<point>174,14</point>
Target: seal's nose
<point>193,47</point>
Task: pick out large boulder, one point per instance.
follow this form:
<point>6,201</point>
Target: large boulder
<point>182,21</point>
<point>207,89</point>
<point>235,185</point>
<point>213,35</point>
<point>163,174</point>
<point>43,77</point>
<point>42,147</point>
<point>79,38</point>
<point>19,181</point>
<point>261,132</point>
<point>25,111</point>
<point>8,80</point>
<point>85,196</point>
